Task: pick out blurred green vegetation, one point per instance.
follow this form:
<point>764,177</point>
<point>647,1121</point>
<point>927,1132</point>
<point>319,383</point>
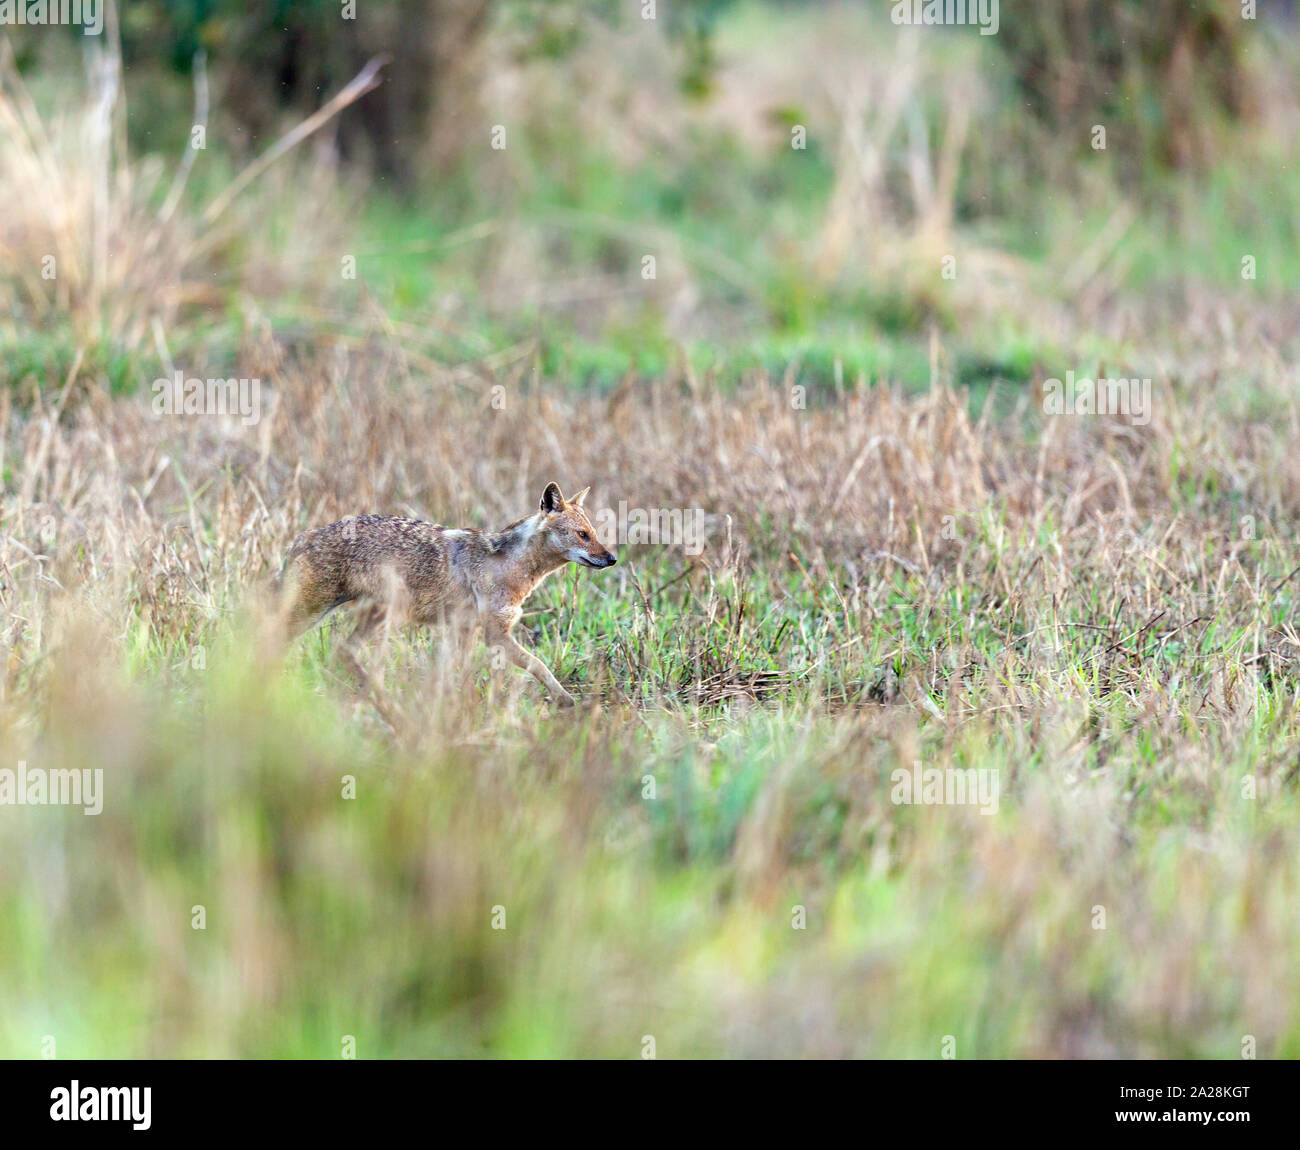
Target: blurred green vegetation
<point>544,242</point>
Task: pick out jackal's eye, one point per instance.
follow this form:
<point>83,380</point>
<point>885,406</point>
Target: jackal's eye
<point>583,535</point>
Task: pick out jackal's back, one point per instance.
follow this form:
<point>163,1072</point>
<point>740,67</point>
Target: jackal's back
<point>377,557</point>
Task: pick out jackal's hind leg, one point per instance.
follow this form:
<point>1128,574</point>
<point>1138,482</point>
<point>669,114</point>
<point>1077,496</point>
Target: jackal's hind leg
<point>370,615</point>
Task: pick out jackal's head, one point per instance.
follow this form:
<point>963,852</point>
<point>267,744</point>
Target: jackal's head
<point>567,532</point>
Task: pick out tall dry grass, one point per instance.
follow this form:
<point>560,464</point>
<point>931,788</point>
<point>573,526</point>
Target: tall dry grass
<point>94,247</point>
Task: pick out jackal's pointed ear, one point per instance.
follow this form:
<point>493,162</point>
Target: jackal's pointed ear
<point>577,499</point>
<point>552,497</point>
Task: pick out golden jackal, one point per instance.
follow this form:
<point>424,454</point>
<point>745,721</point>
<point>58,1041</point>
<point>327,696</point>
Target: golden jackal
<point>403,570</point>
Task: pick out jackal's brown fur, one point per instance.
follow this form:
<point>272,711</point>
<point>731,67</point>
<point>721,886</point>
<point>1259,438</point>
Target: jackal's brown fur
<point>399,570</point>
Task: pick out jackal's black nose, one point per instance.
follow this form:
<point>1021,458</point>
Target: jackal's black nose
<point>610,560</point>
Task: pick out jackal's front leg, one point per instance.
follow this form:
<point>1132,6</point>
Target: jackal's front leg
<point>496,630</point>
